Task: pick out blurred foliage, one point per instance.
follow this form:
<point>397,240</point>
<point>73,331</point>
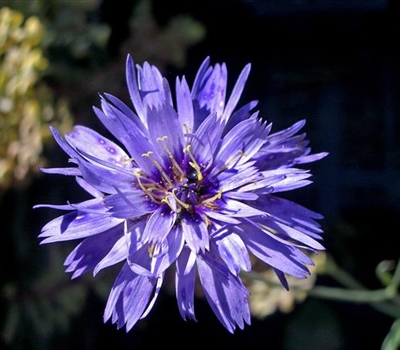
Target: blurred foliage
<point>43,307</point>
<point>165,45</point>
<point>27,106</point>
<point>82,38</point>
<point>392,340</point>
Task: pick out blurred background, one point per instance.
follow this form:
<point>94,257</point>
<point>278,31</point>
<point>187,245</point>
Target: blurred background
<point>334,63</point>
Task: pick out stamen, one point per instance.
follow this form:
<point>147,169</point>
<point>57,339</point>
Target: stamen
<point>183,204</point>
<point>206,220</point>
<point>213,198</point>
<point>188,132</point>
<point>158,166</point>
<point>166,201</point>
<point>145,190</point>
<point>187,128</point>
<point>126,161</point>
<point>267,228</point>
<point>171,156</point>
<point>150,250</point>
<point>234,160</point>
<point>209,202</point>
<point>194,163</point>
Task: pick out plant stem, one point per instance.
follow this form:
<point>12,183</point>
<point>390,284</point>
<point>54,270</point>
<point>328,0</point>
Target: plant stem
<point>384,300</point>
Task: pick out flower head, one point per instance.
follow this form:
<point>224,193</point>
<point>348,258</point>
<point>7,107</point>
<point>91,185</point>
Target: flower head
<point>191,186</point>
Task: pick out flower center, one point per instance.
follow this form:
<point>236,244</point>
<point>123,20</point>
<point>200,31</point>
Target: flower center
<point>181,184</point>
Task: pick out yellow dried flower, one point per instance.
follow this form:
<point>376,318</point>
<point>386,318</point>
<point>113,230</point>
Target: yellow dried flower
<point>267,294</point>
<point>24,99</point>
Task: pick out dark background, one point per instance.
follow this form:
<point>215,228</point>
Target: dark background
<point>333,63</point>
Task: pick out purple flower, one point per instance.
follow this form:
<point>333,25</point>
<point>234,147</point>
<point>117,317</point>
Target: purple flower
<point>192,187</point>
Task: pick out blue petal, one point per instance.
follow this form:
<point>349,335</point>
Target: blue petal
<point>290,183</point>
<point>241,114</point>
<point>234,253</point>
<point>195,232</point>
<point>242,142</point>
<point>279,136</point>
<point>236,209</point>
<point>185,284</point>
<point>151,85</point>
<point>158,225</point>
<point>62,171</point>
<point>94,206</point>
<point>278,180</point>
<point>206,139</point>
<point>63,144</point>
<point>128,205</point>
<point>140,260</point>
<point>134,92</point>
<point>117,253</point>
<point>285,258</point>
<point>243,196</point>
<point>211,93</point>
<point>164,124</point>
<point>236,93</point>
<point>232,179</point>
<point>132,137</point>
<point>310,158</point>
<point>174,245</point>
<point>219,216</point>
<point>291,234</point>
<point>202,73</point>
<point>285,149</point>
<point>225,293</point>
<point>133,231</point>
<point>88,187</point>
<point>77,225</point>
<point>117,104</point>
<point>102,178</point>
<point>290,214</point>
<point>91,251</point>
<point>121,306</point>
<point>184,105</point>
<point>153,260</point>
<point>93,143</point>
<point>282,278</point>
<point>105,179</point>
<point>119,120</point>
<point>156,293</point>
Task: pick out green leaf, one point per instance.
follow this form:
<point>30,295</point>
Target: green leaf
<point>392,339</point>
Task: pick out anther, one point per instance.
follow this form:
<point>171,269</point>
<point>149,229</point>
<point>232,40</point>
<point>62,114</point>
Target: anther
<point>194,163</point>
